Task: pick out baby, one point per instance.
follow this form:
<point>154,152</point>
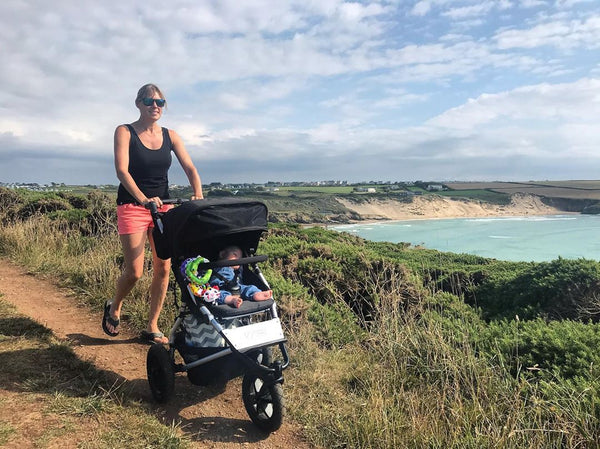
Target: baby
<point>227,279</point>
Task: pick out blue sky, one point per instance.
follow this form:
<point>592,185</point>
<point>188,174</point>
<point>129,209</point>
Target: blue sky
<point>269,90</point>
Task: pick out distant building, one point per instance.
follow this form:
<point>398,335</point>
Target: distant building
<point>435,187</point>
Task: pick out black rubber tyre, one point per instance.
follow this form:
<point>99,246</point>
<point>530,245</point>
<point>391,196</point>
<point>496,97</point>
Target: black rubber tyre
<point>265,405</point>
<point>161,376</point>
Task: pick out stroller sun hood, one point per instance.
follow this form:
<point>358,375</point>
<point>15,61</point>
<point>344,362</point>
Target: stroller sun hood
<point>203,227</point>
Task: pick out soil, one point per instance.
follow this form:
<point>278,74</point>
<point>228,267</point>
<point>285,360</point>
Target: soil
<point>213,417</point>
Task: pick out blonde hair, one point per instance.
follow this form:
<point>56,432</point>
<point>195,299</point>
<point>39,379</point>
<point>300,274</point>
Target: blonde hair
<point>148,90</point>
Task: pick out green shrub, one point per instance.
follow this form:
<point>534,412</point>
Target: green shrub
<point>556,349</point>
<point>560,289</point>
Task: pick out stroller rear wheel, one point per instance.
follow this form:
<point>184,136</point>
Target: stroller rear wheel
<point>264,403</point>
<point>161,376</point>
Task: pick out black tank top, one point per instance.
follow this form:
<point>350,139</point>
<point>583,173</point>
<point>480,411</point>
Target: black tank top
<point>148,168</point>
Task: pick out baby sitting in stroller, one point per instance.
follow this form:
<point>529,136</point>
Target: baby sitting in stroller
<point>231,292</point>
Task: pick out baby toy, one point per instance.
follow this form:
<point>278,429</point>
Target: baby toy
<point>199,285</point>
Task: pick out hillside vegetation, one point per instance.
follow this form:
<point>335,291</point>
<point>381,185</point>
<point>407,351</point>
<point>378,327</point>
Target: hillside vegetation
<point>391,346</point>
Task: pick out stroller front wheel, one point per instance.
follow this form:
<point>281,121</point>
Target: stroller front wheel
<point>264,403</point>
<point>161,376</point>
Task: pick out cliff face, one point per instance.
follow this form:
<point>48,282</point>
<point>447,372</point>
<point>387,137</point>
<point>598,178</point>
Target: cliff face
<point>433,206</point>
<point>584,206</point>
<point>427,207</point>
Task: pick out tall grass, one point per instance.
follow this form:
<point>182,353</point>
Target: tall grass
<point>90,266</point>
<point>412,373</point>
<point>412,384</point>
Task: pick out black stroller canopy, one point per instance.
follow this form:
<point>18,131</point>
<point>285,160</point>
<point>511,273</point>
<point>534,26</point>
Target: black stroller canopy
<point>203,227</point>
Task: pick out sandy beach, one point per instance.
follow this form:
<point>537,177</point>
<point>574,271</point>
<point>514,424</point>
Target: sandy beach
<point>432,206</point>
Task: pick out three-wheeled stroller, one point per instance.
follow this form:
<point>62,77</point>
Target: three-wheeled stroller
<point>219,341</point>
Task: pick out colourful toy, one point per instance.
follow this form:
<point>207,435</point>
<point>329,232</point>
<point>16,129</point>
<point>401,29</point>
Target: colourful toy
<point>199,285</point>
<point>211,294</point>
<point>183,267</point>
<point>191,271</point>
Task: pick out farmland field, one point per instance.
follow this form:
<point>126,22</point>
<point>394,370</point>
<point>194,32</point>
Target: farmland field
<point>585,189</point>
<point>488,195</point>
<point>316,189</point>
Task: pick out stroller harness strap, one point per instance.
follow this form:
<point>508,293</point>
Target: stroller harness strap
<point>231,285</point>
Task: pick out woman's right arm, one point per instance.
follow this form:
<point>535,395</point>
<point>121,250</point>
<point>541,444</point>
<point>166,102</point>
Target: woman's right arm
<point>122,137</point>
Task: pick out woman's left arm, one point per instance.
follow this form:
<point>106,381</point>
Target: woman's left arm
<point>186,163</point>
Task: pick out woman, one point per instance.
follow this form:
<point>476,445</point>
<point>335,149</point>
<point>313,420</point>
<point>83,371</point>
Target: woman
<point>142,160</point>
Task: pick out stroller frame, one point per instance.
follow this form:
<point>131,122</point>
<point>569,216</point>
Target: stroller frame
<point>244,350</point>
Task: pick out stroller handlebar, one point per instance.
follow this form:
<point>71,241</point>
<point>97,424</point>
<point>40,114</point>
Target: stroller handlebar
<point>174,200</point>
<point>233,262</point>
<point>152,206</point>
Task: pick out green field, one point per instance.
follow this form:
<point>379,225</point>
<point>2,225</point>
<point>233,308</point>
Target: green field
<point>580,190</point>
<point>333,190</point>
<point>340,190</point>
<point>478,194</point>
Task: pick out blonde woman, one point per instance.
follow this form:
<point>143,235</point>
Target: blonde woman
<point>142,154</point>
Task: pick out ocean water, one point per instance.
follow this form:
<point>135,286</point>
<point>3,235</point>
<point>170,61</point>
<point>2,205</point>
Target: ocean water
<point>532,238</point>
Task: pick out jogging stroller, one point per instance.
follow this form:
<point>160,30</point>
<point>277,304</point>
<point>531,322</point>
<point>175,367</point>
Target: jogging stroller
<point>219,341</point>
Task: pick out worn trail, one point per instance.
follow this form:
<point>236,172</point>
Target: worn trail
<point>212,417</point>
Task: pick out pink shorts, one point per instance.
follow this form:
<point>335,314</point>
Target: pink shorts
<point>132,218</point>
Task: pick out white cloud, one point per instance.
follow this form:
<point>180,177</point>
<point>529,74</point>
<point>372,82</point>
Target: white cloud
<point>561,34</point>
<point>471,10</point>
<point>275,84</point>
<point>570,3</point>
<point>421,8</point>
<point>545,103</point>
<point>532,3</point>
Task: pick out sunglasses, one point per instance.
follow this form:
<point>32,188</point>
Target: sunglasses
<point>159,102</point>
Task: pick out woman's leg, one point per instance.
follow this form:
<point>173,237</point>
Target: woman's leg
<point>133,255</point>
<point>158,290</point>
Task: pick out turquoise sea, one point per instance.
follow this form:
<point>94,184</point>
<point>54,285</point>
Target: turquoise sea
<point>531,238</point>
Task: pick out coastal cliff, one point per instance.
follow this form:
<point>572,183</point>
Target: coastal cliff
<point>434,206</point>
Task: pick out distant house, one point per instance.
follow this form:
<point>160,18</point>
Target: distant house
<point>365,189</point>
<point>435,187</point>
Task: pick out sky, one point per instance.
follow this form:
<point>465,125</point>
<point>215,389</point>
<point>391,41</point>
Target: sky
<point>306,90</point>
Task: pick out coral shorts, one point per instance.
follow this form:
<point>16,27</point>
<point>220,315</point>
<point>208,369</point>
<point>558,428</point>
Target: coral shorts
<point>132,218</point>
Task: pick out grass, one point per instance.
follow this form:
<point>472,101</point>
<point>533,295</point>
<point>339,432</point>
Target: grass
<point>413,378</point>
<point>6,433</point>
<point>90,267</point>
<point>314,189</point>
<point>479,195</point>
<point>418,389</point>
<point>47,394</point>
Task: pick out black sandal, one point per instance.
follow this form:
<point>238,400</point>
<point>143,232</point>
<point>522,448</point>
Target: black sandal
<point>151,337</point>
<point>107,319</point>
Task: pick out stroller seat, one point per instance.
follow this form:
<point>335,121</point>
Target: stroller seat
<point>246,308</point>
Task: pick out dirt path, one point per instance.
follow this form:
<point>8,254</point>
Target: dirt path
<point>212,417</point>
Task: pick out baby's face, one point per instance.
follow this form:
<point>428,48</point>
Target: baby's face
<point>234,257</point>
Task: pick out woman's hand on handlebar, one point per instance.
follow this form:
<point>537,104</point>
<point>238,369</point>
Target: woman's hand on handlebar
<point>156,200</point>
<point>196,197</point>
